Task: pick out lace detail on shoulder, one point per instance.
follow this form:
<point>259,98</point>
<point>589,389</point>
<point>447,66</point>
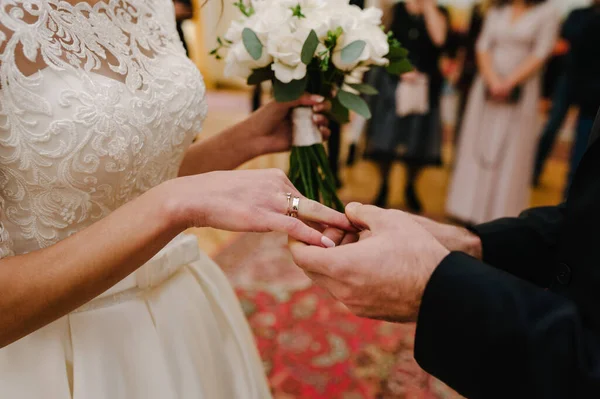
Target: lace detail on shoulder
<point>98,104</point>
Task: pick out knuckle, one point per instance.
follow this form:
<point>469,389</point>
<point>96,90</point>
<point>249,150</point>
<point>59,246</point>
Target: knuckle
<point>278,173</point>
<point>312,206</point>
<point>294,226</point>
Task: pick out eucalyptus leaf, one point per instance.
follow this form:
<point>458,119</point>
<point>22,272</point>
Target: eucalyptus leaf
<point>260,75</point>
<point>354,103</point>
<point>351,52</point>
<point>399,67</point>
<point>338,112</point>
<point>397,53</point>
<point>364,88</point>
<point>309,47</point>
<point>252,43</point>
<point>292,91</point>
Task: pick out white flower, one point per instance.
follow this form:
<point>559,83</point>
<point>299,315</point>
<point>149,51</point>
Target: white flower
<point>234,33</point>
<point>239,62</point>
<point>356,76</point>
<point>285,46</point>
<point>365,26</point>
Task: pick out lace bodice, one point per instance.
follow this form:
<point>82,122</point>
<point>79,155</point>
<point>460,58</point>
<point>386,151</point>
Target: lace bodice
<point>98,103</point>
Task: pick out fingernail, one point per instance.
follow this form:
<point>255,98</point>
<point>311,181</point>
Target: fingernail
<point>315,118</point>
<point>327,242</point>
<point>318,99</point>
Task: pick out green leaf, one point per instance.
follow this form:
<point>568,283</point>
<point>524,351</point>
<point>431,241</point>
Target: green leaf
<point>399,67</point>
<point>292,91</point>
<point>339,112</point>
<point>364,88</point>
<point>297,12</point>
<point>309,47</point>
<point>351,52</point>
<point>397,53</point>
<point>260,75</point>
<point>252,43</point>
<point>354,103</point>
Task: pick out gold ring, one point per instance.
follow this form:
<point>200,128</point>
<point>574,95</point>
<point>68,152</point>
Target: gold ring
<point>295,206</point>
<point>289,204</point>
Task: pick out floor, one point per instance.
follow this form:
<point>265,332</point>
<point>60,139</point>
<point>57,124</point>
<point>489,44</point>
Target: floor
<point>361,180</point>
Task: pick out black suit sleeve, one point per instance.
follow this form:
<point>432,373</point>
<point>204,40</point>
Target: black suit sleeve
<point>490,335</point>
<point>523,246</point>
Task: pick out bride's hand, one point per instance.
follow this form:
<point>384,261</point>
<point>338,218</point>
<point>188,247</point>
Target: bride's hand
<point>270,126</point>
<point>249,200</point>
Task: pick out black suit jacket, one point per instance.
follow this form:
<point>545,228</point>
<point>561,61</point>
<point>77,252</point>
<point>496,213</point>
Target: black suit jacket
<point>525,322</point>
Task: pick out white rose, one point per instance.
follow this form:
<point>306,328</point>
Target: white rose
<point>239,62</point>
<point>270,17</point>
<point>234,33</point>
<point>285,47</point>
<point>356,76</point>
<point>363,27</point>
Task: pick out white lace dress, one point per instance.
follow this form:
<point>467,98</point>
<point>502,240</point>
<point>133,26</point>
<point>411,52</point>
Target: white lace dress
<point>98,103</point>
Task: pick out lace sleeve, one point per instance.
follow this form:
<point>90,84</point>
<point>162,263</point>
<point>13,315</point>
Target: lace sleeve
<point>5,241</point>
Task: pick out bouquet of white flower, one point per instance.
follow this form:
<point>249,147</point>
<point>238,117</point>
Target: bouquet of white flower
<point>317,46</point>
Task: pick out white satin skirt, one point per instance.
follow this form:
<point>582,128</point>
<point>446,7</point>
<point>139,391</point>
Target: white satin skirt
<point>172,329</point>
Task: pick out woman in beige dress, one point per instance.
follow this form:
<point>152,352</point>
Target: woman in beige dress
<point>498,137</point>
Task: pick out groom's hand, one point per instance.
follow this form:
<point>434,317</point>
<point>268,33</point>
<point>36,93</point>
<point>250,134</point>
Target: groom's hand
<point>383,274</point>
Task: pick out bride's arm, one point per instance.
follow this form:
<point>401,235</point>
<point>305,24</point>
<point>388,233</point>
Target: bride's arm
<point>40,287</point>
<point>265,131</point>
<point>224,151</point>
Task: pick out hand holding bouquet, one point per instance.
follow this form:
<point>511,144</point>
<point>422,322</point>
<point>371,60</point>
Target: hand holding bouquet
<point>318,46</point>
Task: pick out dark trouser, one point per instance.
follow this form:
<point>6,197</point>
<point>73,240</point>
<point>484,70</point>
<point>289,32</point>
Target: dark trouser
<point>580,143</point>
<point>333,148</point>
<point>561,102</point>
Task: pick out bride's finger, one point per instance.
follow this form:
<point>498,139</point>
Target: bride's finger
<point>313,211</point>
<point>316,212</point>
<point>335,235</point>
<point>299,231</point>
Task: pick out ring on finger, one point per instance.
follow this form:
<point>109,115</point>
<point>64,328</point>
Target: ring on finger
<point>293,210</point>
<point>288,211</point>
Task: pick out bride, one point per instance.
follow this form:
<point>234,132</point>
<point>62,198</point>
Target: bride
<point>102,296</point>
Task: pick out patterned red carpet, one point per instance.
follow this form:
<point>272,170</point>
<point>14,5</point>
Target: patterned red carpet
<point>312,347</point>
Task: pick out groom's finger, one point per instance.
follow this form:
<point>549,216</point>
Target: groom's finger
<point>313,259</point>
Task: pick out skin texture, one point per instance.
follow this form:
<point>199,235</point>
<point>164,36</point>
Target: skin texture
<point>382,271</point>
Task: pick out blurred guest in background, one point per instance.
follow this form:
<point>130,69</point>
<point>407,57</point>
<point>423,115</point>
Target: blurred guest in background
<point>572,33</point>
<point>498,139</point>
<point>184,10</point>
<point>421,26</point>
<point>468,61</point>
<point>584,72</point>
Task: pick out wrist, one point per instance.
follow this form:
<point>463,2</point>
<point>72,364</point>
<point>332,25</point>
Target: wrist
<point>247,140</point>
<point>471,244</point>
<point>172,209</point>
